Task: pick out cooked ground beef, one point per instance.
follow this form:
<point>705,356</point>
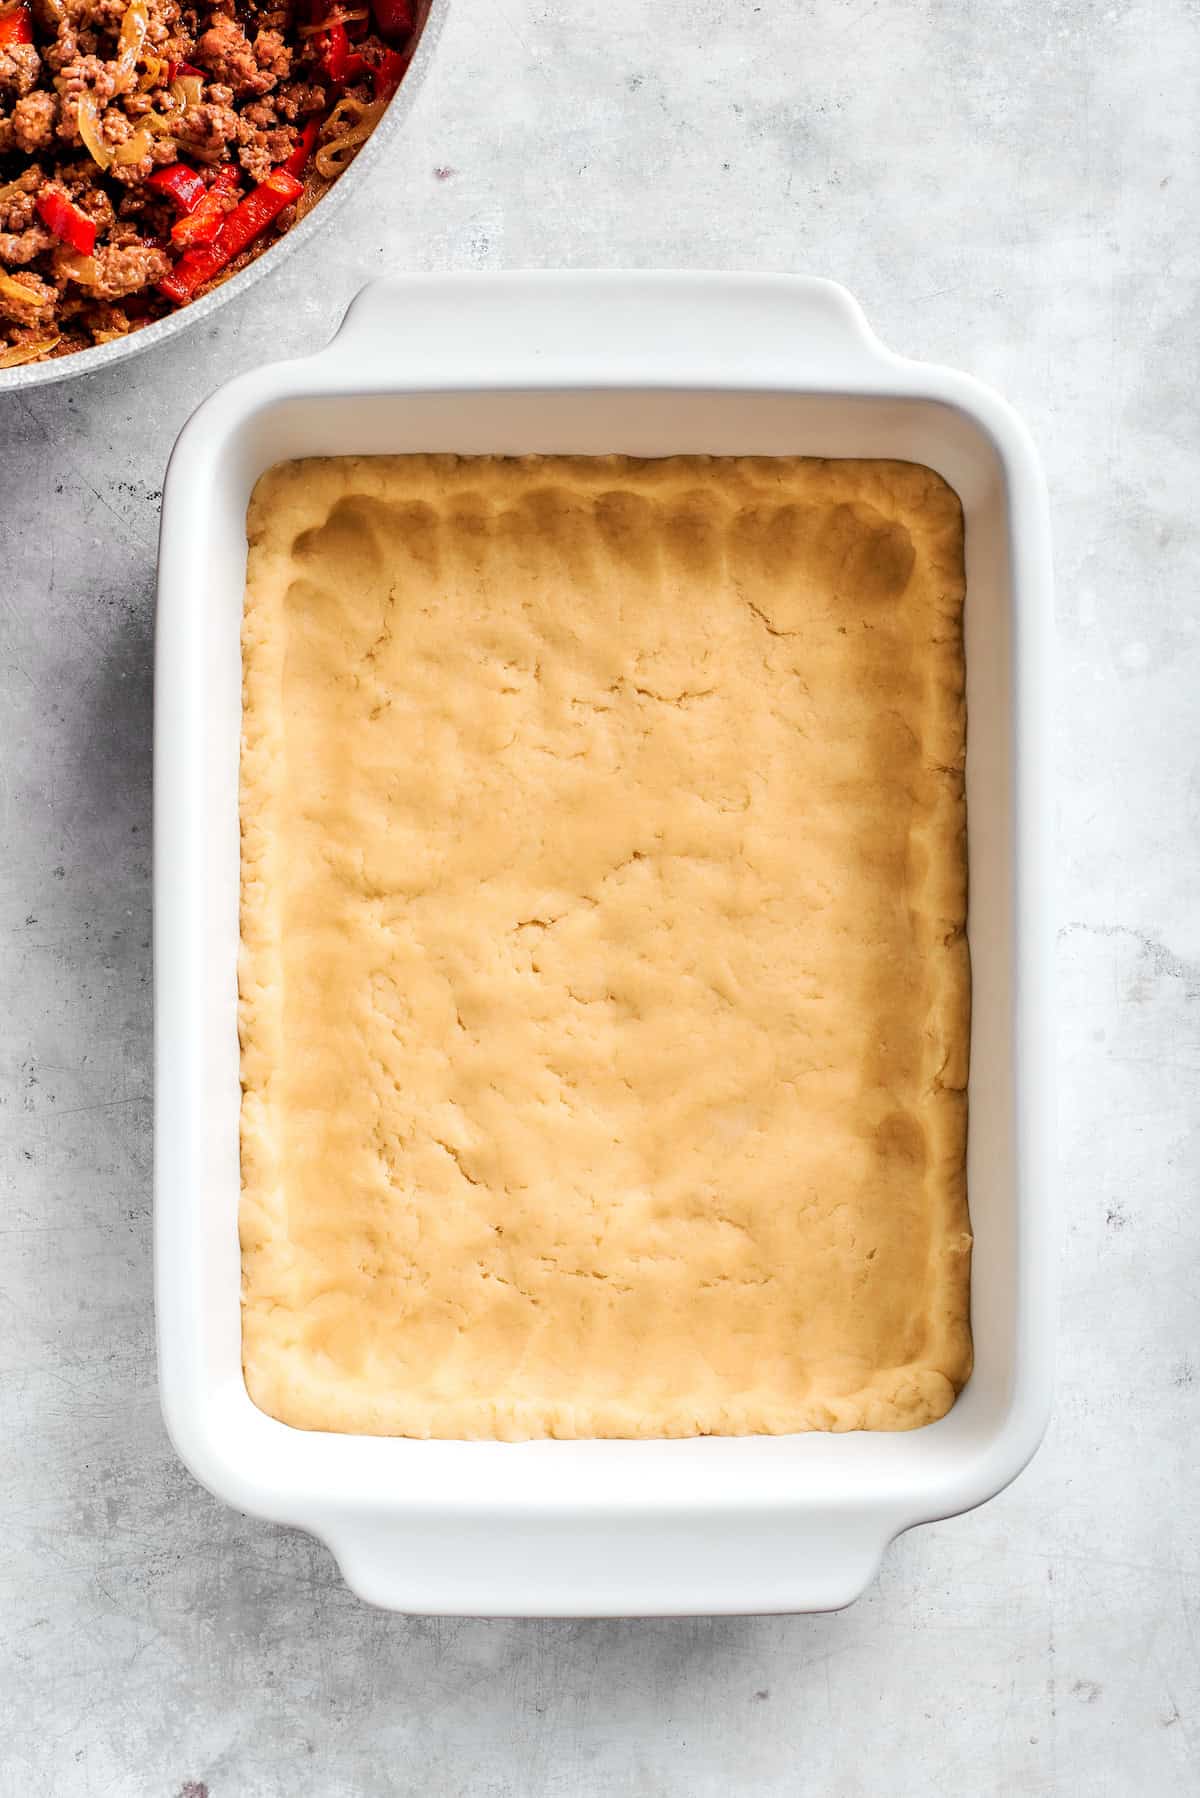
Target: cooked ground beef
<point>132,132</point>
<point>228,55</point>
<point>33,121</point>
<point>42,298</point>
<point>20,66</point>
<point>19,248</point>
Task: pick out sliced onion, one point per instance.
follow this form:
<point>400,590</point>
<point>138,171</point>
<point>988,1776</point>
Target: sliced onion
<point>187,91</point>
<point>78,268</point>
<point>155,69</point>
<point>341,15</point>
<point>89,131</point>
<point>359,118</point>
<point>348,111</point>
<point>134,148</point>
<point>129,45</point>
<point>27,352</point>
<point>16,290</point>
<point>154,121</point>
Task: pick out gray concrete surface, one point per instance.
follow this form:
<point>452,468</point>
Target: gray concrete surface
<point>1012,188</point>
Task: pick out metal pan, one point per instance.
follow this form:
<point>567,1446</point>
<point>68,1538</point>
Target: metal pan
<point>431,15</point>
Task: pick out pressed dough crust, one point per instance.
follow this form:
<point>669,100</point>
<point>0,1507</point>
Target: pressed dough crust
<point>604,991</point>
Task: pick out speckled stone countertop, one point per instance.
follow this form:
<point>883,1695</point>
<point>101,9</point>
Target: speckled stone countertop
<point>1013,190</point>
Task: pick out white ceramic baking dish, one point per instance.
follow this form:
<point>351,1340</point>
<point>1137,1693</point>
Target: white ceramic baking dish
<point>648,364</point>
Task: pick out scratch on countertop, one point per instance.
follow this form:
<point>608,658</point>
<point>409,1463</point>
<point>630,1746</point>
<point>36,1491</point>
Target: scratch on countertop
<point>1165,964</point>
<point>128,529</point>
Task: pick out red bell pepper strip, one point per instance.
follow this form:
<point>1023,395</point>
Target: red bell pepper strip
<point>68,223</point>
<point>16,26</point>
<point>388,74</point>
<point>240,227</point>
<point>340,63</point>
<point>205,219</point>
<point>183,184</point>
<point>394,18</point>
<point>295,163</point>
<point>176,69</point>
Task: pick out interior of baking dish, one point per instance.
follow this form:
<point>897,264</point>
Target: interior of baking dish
<point>387,1503</point>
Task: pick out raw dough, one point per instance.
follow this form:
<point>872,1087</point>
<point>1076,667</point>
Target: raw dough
<point>604,992</point>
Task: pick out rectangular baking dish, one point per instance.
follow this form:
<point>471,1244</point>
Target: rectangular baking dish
<point>649,364</point>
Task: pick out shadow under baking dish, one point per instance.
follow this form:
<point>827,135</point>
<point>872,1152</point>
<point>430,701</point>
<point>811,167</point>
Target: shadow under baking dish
<point>584,364</point>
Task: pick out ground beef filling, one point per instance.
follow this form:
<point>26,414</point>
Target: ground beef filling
<point>108,92</point>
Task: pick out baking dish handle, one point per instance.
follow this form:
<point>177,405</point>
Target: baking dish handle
<point>438,332</point>
<point>651,1563</point>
